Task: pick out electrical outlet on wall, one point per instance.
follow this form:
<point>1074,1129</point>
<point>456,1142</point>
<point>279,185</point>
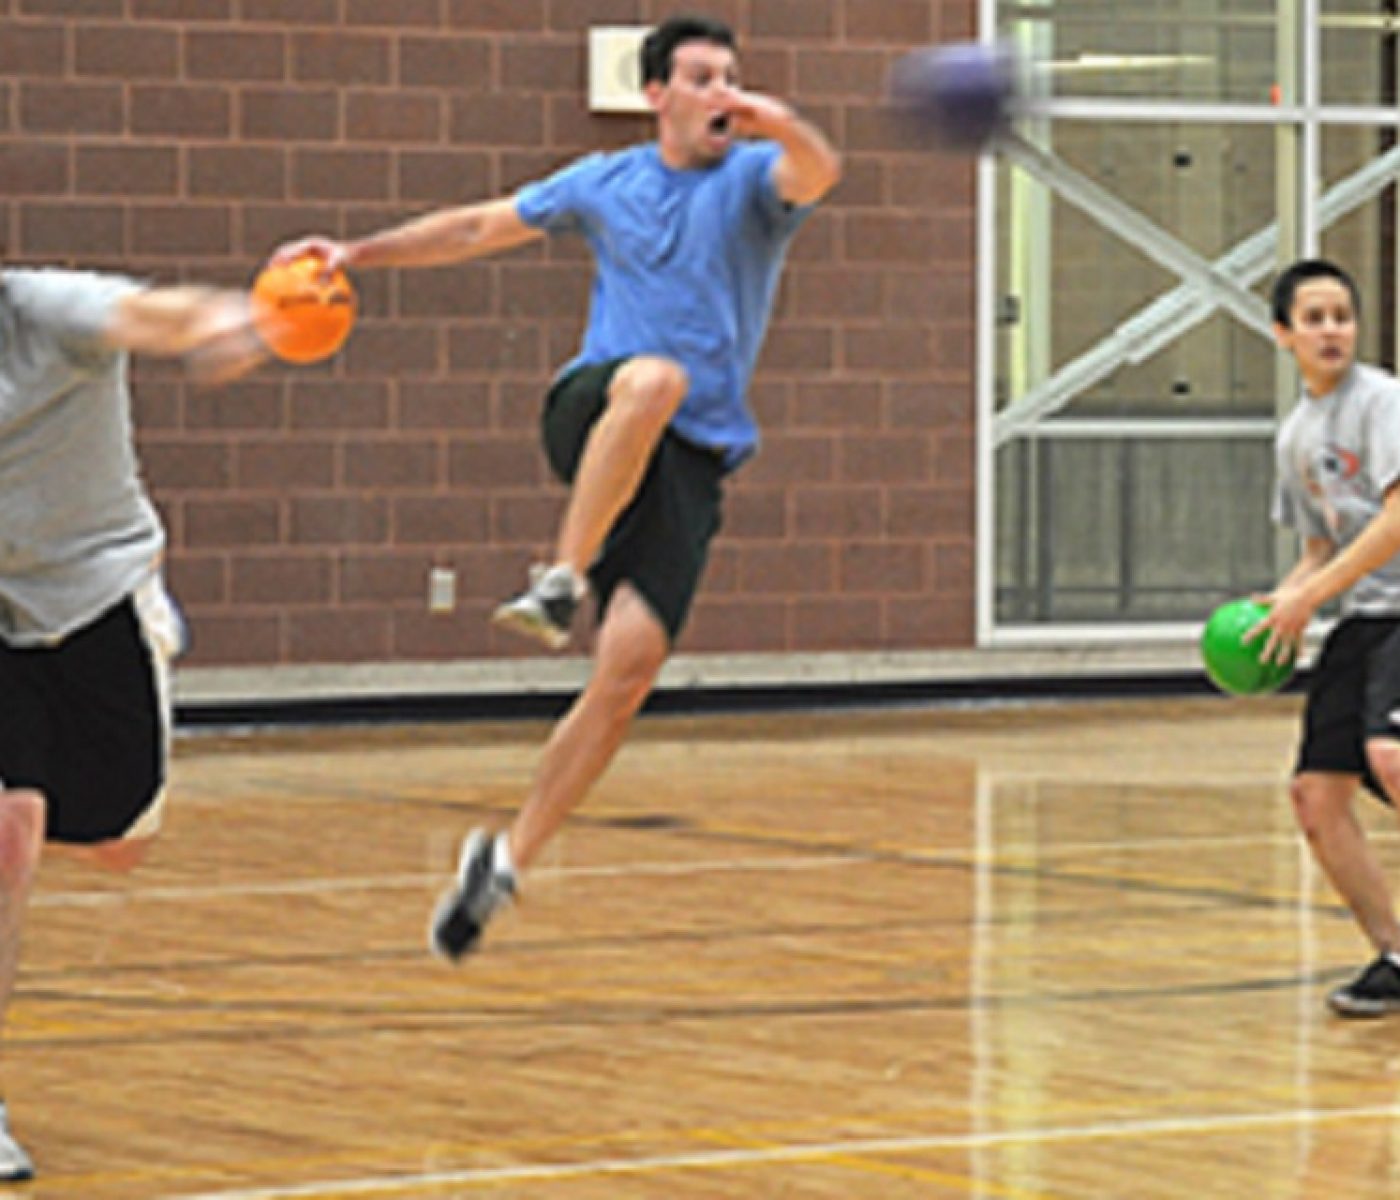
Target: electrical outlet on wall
<point>442,589</point>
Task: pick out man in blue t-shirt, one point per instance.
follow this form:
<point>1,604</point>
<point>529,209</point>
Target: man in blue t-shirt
<point>688,235</point>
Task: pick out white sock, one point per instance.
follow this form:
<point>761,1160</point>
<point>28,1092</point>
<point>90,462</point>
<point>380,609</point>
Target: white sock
<point>500,856</point>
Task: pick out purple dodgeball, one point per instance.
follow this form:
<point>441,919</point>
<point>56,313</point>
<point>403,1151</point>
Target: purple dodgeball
<point>961,93</point>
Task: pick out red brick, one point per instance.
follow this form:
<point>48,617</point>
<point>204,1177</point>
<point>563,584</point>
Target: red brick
<point>830,623</point>
<point>342,58</point>
<point>236,55</point>
<point>71,8</point>
<point>334,635</point>
<point>394,349</point>
<point>794,19</point>
<point>281,579</point>
<point>487,348</point>
<point>840,513</point>
<point>183,229</point>
<point>464,634</point>
<point>184,465</point>
<point>285,465</point>
<point>413,464</point>
<point>786,568</point>
<point>506,16</point>
<point>439,520</point>
<point>324,404</point>
<point>535,290</point>
<point>34,168</point>
<point>64,230</point>
<point>401,14</point>
<point>34,50</point>
<point>126,51</point>
<point>231,522</point>
<point>528,519</point>
<point>555,65</point>
<point>246,404</point>
<point>892,349</point>
<point>237,172</point>
<point>882,567</point>
<point>886,459</point>
<point>455,405</point>
<point>455,64</point>
<point>289,114</point>
<point>453,292</point>
<point>221,639</point>
<point>341,174</point>
<point>397,117</point>
<point>182,10</point>
<point>198,579</point>
<point>291,12</point>
<point>173,111</point>
<point>87,108</point>
<point>381,577</point>
<point>448,176</point>
<point>126,170</point>
<point>756,512</point>
<point>500,461</point>
<point>497,120</point>
<point>901,23</point>
<point>338,521</point>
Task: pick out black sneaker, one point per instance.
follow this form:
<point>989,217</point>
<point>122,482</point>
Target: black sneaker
<point>1373,993</point>
<point>469,902</point>
<point>545,610</point>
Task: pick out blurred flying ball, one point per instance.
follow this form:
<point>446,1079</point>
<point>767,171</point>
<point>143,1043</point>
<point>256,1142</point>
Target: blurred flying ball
<point>961,94</point>
<point>301,317</point>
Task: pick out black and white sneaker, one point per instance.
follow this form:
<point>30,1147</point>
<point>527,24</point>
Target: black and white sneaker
<point>481,888</point>
<point>1373,993</point>
<point>15,1165</point>
<point>545,610</point>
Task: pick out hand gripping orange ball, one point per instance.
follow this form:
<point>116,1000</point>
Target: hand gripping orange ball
<point>300,317</point>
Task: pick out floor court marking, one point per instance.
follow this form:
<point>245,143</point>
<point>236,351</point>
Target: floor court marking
<point>424,879</point>
<point>815,1153</point>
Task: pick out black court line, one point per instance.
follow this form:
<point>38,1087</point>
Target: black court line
<point>469,1015</point>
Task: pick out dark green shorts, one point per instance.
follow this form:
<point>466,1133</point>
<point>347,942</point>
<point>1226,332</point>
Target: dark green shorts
<point>660,542</point>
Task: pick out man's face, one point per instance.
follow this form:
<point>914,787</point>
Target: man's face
<point>1322,337</point>
<point>695,126</point>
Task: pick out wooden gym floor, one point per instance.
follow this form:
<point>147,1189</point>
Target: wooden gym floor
<point>1031,952</point>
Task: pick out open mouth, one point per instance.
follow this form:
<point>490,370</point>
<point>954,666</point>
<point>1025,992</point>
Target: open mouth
<point>719,124</point>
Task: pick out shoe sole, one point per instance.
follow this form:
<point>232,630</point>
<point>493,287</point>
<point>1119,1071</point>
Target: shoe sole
<point>1363,1009</point>
<point>514,621</point>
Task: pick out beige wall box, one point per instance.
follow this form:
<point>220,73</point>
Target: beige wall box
<point>614,72</point>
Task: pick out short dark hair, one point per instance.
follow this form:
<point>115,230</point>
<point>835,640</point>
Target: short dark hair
<point>1305,270</point>
<point>659,46</point>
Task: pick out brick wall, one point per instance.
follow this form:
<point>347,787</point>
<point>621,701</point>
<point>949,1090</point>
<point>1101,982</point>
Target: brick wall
<point>182,139</point>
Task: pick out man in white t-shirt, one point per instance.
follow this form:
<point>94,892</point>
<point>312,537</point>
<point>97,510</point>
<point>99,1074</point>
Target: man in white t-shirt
<point>86,629</point>
<point>1339,488</point>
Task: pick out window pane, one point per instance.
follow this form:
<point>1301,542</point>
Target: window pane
<point>1200,50</point>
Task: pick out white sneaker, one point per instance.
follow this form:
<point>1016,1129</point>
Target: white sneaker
<point>14,1162</point>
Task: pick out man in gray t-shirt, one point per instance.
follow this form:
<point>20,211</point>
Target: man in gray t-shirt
<point>86,630</point>
<point>1339,487</point>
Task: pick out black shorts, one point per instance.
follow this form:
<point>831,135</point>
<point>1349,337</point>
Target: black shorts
<point>660,542</point>
<point>1354,695</point>
<point>85,722</point>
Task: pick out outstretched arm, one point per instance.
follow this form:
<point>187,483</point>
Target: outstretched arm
<point>810,165</point>
<point>211,328</point>
<point>447,236</point>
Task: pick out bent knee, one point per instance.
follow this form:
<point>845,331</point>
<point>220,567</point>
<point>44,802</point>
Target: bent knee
<point>22,815</point>
<point>1319,803</point>
<point>1383,757</point>
<point>120,854</point>
<point>651,387</point>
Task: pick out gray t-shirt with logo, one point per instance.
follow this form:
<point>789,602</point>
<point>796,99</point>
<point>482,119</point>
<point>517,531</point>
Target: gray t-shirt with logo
<point>77,531</point>
<point>1337,456</point>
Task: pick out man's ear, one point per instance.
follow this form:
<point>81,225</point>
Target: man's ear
<point>655,93</point>
<point>1283,336</point>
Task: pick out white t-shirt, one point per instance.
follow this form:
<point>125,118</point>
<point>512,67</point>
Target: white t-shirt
<point>77,531</point>
<point>1337,454</point>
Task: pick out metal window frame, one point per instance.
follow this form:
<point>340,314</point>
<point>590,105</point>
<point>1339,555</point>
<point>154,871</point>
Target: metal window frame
<point>1301,213</point>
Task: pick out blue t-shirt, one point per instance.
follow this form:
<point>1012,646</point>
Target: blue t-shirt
<point>687,266</point>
